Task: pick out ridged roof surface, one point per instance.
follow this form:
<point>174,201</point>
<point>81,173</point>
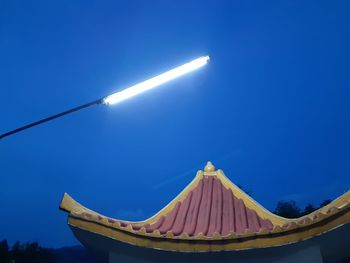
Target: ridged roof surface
<point>209,208</point>
<point>213,209</point>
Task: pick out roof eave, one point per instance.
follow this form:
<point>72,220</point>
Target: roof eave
<point>205,245</point>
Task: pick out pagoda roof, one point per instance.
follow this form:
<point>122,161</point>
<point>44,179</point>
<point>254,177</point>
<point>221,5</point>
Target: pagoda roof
<point>211,214</point>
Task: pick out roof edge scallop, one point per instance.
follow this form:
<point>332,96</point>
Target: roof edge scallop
<point>320,221</point>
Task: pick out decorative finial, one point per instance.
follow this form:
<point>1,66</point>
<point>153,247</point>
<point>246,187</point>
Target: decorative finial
<point>209,168</point>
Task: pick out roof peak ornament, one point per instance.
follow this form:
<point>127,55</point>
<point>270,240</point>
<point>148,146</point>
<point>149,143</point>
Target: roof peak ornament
<point>209,169</point>
<point>233,222</point>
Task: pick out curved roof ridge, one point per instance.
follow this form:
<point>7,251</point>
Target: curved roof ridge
<point>339,202</point>
<point>69,205</point>
<point>209,170</point>
<point>251,202</point>
<point>211,208</point>
<point>180,197</point>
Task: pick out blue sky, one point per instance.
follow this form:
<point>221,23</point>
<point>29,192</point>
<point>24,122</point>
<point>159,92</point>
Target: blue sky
<point>271,109</point>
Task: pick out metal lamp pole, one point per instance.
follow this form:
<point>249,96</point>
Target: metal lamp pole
<point>125,93</point>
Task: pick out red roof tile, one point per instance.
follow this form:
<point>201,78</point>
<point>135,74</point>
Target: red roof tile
<point>209,208</point>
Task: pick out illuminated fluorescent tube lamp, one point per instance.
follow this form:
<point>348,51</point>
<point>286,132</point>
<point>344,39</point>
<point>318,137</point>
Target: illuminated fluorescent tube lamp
<point>123,94</point>
<point>156,81</point>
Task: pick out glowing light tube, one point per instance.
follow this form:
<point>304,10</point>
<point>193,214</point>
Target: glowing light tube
<point>156,81</point>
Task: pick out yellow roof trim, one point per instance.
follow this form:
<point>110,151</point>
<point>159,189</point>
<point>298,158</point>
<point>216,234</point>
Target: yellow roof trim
<point>89,220</point>
<point>183,245</point>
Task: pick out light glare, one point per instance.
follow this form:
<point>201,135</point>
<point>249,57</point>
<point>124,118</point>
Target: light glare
<point>156,81</point>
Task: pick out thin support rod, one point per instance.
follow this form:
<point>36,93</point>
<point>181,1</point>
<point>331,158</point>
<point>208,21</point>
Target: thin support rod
<point>30,125</point>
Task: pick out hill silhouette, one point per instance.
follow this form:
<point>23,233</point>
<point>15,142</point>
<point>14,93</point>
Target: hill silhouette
<point>34,253</point>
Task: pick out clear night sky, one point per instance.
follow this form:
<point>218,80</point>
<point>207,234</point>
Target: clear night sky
<point>271,109</point>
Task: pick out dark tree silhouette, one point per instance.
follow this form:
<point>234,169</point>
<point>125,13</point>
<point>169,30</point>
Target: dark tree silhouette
<point>34,253</point>
<point>25,253</point>
<point>325,202</point>
<point>309,208</point>
<point>287,209</point>
<point>4,251</point>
